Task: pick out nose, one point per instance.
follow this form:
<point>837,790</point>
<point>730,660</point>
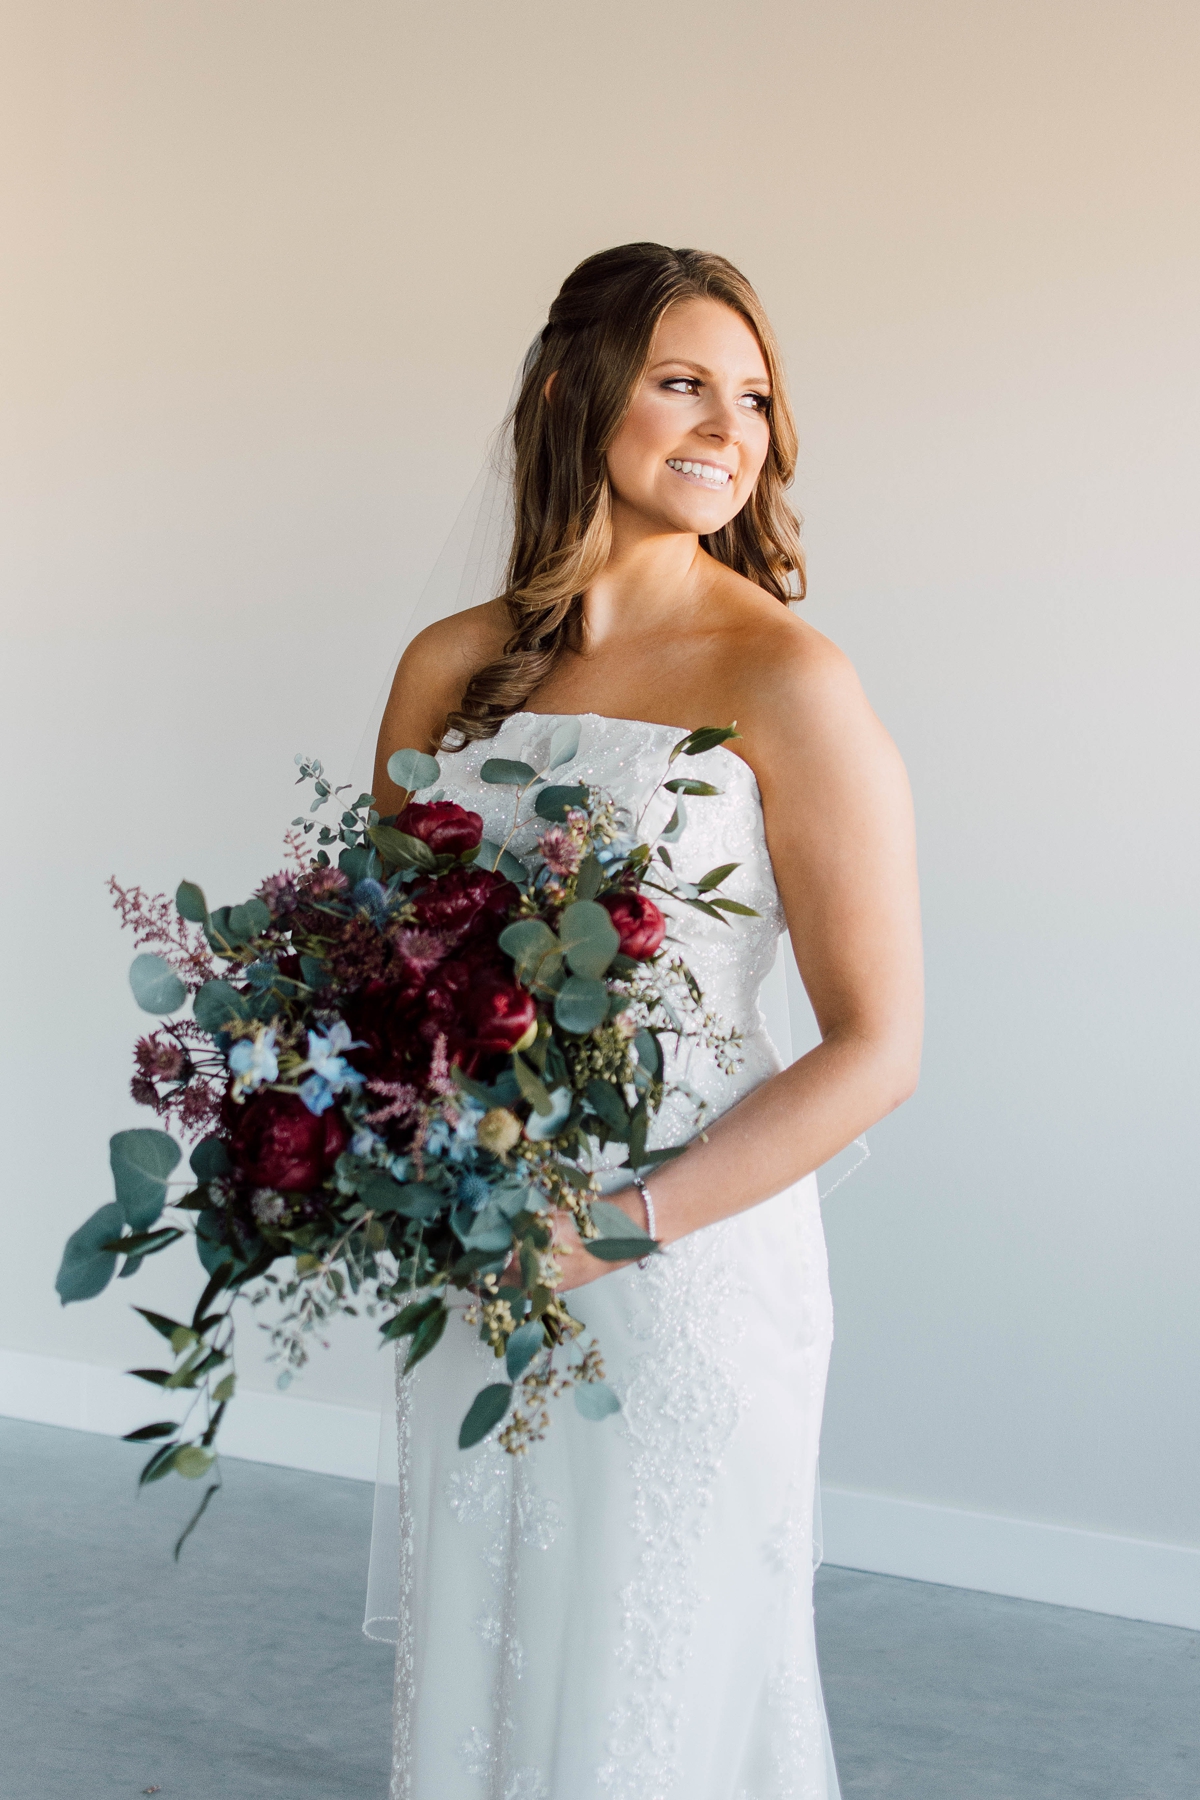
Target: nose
<point>722,422</point>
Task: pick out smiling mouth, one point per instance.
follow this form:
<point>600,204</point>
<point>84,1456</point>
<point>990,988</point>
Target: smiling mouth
<point>709,475</point>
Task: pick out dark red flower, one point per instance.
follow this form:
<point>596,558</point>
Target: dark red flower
<point>277,1143</point>
<point>499,1013</point>
<point>464,901</point>
<point>446,828</point>
<point>640,926</point>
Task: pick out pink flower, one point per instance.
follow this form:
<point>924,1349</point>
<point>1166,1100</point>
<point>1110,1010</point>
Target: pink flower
<point>279,892</point>
<point>320,884</point>
<point>560,851</point>
<point>159,1060</point>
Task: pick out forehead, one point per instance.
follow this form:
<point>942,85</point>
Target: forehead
<point>711,334</point>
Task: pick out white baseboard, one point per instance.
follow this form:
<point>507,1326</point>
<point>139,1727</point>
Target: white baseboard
<point>283,1429</point>
<point>1092,1570</point>
<point>874,1532</point>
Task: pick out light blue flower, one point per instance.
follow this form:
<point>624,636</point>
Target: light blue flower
<point>316,1094</point>
<point>363,1142</point>
<point>616,851</point>
<point>328,1065</point>
<point>253,1061</point>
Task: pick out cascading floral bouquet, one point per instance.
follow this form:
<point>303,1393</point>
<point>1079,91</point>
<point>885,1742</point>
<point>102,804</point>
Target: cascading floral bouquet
<point>397,1069</point>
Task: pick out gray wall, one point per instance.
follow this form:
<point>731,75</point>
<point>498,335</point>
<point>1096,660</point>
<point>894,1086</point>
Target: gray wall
<point>270,266</point>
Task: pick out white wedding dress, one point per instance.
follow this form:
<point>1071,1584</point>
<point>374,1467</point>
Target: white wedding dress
<point>625,1613</point>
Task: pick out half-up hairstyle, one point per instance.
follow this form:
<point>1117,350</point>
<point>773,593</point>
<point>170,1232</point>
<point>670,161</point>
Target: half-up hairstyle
<point>596,344</point>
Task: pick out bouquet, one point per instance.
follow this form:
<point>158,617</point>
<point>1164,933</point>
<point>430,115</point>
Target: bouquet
<point>394,1072</point>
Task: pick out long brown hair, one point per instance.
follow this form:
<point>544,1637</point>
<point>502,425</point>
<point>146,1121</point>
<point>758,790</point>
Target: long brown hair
<point>596,344</point>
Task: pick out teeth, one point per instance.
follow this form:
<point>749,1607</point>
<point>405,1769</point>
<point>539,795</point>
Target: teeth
<point>706,471</point>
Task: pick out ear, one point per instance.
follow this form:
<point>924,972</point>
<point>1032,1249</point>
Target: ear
<point>551,378</point>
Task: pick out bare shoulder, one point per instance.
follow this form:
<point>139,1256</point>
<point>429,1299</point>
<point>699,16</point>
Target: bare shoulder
<point>451,650</point>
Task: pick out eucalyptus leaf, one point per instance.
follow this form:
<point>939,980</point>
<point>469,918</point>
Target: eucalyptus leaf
<point>735,906</point>
<point>491,856</point>
<point>649,1051</point>
<point>589,938</point>
<point>543,1125</point>
<point>216,1005</point>
<point>141,1161</point>
<point>358,863</point>
<point>532,946</point>
<point>86,1269</point>
<point>500,771</point>
<point>677,824</point>
<point>486,1410</point>
<point>612,1221</point>
<point>250,920</point>
<point>314,971</point>
<point>581,1004</point>
<point>147,1433</point>
<point>156,986</point>
<point>707,737</point>
<point>590,878</point>
<point>412,770</point>
<point>400,850</point>
<point>608,1105</point>
<point>555,803</point>
<point>533,1089</point>
<point>564,744</point>
<point>192,1462</point>
<point>190,903</point>
<point>681,785</point>
<point>715,877</point>
<point>595,1399</point>
<point>426,1336</point>
<point>210,1159</point>
<point>522,1347</point>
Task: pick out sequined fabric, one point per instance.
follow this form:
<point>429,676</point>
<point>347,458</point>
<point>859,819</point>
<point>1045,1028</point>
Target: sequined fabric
<point>626,1612</point>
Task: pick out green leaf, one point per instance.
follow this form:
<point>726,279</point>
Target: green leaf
<point>556,802</point>
<point>224,1389</point>
<point>182,1338</point>
<point>608,1105</point>
<point>141,1161</point>
<point>680,785</point>
<point>735,906</point>
<point>145,1433</point>
<point>412,770</point>
<point>249,921</point>
<point>542,1125</point>
<point>639,1124</point>
<point>595,1399</point>
<point>195,1519</point>
<point>499,771</point>
<point>564,744</point>
<point>190,903</point>
<point>651,1159</point>
<point>164,1326</point>
<point>160,1464</point>
<point>704,906</point>
<point>399,850</point>
<point>486,1410</point>
<point>145,1243</point>
<point>613,1221</point>
<point>716,876</point>
<point>219,1276</point>
<point>707,737</point>
<point>491,856</point>
<point>589,938</point>
<point>314,971</point>
<point>210,1159</point>
<point>532,1087</point>
<point>357,863</point>
<point>533,948</point>
<point>216,1005</point>
<point>621,1249</point>
<point>581,1004</point>
<point>649,1051</point>
<point>156,986</point>
<point>590,878</point>
<point>156,1377</point>
<point>426,1336</point>
<point>677,824</point>
<point>86,1269</point>
<point>522,1347</point>
<point>192,1462</point>
<point>411,1199</point>
<point>409,1318</point>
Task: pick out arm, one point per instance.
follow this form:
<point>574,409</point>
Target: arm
<point>429,681</point>
<point>839,828</point>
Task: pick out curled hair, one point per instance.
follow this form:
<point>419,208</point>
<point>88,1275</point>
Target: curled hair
<point>596,344</point>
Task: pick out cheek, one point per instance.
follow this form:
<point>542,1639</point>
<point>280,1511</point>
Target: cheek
<point>647,434</point>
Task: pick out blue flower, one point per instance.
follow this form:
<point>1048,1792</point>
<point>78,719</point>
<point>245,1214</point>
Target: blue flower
<point>473,1191</point>
<point>253,1061</point>
<point>328,1065</point>
<point>316,1094</point>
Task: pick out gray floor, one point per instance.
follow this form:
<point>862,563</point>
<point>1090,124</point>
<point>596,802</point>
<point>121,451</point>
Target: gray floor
<point>241,1673</point>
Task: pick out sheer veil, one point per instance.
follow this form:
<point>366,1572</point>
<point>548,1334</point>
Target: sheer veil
<point>470,570</point>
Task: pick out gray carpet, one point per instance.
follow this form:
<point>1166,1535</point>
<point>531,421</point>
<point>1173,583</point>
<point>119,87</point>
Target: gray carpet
<point>121,1673</point>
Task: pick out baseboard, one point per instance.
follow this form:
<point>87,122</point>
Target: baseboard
<point>1129,1577</point>
<point>875,1532</point>
<point>284,1429</point>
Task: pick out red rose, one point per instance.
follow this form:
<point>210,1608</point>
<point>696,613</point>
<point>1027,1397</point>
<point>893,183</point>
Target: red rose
<point>499,1013</point>
<point>277,1143</point>
<point>640,926</point>
<point>446,828</point>
<point>463,900</point>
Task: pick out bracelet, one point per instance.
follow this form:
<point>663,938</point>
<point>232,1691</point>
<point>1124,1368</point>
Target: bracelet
<point>647,1202</point>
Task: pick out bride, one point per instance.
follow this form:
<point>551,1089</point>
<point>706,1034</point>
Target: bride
<point>625,1613</point>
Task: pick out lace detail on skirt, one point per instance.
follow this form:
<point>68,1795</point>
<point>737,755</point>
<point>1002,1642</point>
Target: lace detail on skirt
<point>406,1649</point>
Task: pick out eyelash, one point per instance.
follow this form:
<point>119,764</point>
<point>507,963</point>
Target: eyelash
<point>762,402</point>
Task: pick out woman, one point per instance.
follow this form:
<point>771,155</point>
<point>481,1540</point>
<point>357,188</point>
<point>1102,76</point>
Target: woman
<point>625,1612</point>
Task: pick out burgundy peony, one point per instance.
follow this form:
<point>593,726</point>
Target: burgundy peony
<point>447,829</point>
<point>277,1143</point>
<point>465,900</point>
<point>640,926</point>
<point>499,1013</point>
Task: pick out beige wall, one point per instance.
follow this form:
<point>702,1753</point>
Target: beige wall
<point>268,267</point>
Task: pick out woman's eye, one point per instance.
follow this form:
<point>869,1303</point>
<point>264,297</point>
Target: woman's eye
<point>682,384</point>
<point>757,402</point>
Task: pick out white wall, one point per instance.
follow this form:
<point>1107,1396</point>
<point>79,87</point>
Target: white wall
<point>269,266</point>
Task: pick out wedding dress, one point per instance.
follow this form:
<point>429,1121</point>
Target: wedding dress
<point>625,1612</point>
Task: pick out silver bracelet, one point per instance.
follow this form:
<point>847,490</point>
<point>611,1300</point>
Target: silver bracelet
<point>647,1202</point>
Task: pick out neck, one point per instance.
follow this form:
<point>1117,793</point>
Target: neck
<point>651,572</point>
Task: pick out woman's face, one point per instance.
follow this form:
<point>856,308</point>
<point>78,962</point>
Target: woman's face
<point>696,435</point>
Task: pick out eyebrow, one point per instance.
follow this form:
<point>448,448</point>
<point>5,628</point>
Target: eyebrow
<point>685,362</point>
